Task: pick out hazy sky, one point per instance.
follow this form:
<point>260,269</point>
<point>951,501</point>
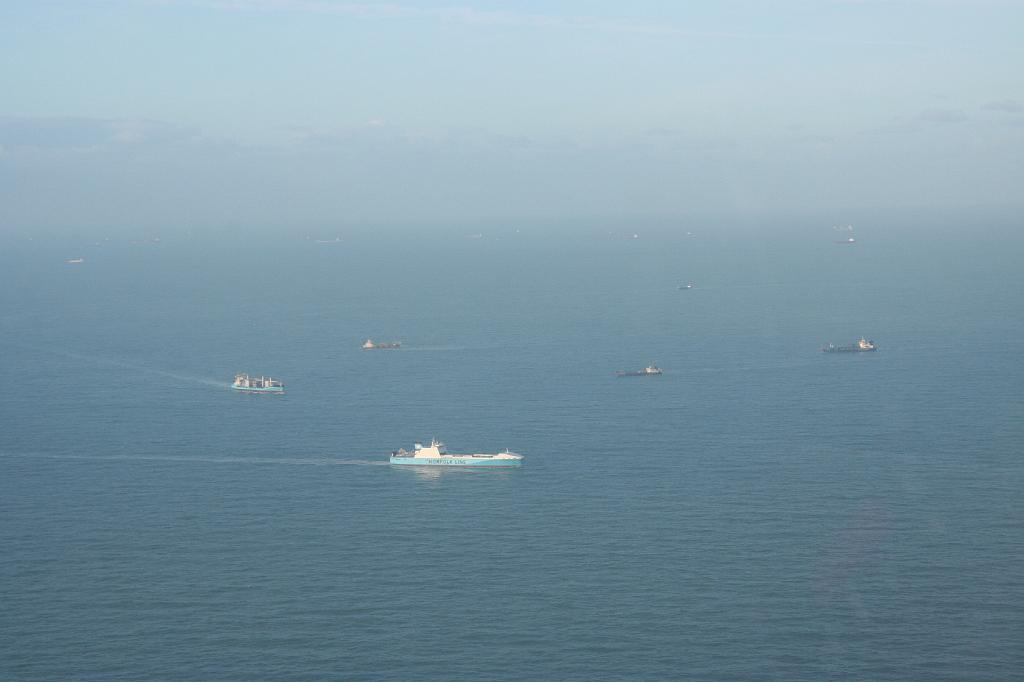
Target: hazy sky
<point>156,113</point>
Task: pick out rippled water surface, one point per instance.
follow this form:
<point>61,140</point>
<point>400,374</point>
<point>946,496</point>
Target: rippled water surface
<point>760,511</point>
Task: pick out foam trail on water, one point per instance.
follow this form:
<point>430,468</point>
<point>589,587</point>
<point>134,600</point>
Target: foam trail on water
<point>127,364</point>
<point>435,349</point>
<point>302,461</point>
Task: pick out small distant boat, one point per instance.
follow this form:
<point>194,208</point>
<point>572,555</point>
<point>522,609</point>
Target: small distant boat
<point>648,371</point>
<point>862,346</point>
<point>437,455</point>
<point>370,345</point>
<point>684,287</point>
<point>336,240</point>
<point>75,261</point>
<point>247,384</point>
<point>849,239</point>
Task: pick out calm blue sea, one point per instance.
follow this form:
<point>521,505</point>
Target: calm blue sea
<point>761,511</point>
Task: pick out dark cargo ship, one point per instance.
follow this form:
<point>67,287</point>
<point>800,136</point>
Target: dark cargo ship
<point>861,346</point>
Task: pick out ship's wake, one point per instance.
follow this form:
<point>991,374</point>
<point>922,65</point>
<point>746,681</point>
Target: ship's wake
<point>137,366</point>
<point>440,349</point>
<point>185,459</point>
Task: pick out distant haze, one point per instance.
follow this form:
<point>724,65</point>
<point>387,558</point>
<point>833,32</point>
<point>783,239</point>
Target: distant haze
<point>154,115</point>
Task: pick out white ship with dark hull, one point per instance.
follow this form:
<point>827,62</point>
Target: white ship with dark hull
<point>436,454</point>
